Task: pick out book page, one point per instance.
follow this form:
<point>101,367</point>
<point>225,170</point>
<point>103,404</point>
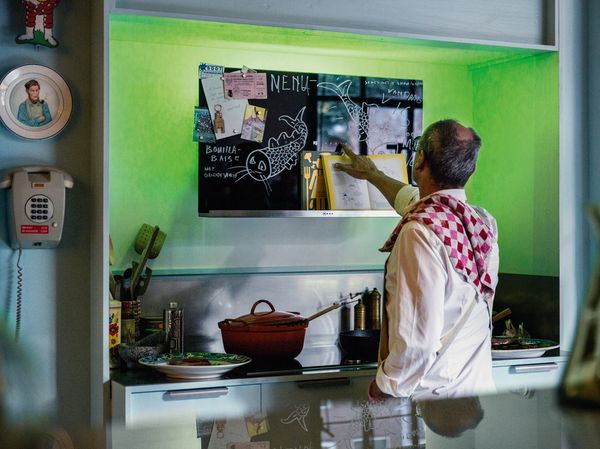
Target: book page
<point>394,166</point>
<point>343,191</point>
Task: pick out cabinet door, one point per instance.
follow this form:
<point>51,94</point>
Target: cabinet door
<point>519,421</point>
<point>198,404</point>
<point>336,412</point>
<point>523,377</point>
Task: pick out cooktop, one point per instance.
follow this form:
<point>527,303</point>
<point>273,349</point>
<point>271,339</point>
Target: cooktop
<point>309,360</point>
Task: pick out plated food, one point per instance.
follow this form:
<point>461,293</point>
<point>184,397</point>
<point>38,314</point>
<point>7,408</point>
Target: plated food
<point>516,347</point>
<point>195,365</point>
<point>190,361</point>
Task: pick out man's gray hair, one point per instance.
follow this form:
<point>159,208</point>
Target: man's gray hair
<point>451,160</point>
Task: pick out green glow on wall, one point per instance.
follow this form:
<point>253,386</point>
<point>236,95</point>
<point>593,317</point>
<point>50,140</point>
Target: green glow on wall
<point>516,108</point>
<point>153,161</point>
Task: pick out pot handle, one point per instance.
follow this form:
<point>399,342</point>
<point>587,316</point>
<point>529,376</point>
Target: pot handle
<point>228,321</point>
<point>334,306</point>
<point>258,302</point>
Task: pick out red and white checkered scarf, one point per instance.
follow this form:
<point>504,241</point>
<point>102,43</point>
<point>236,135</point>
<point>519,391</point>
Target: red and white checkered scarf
<point>467,239</point>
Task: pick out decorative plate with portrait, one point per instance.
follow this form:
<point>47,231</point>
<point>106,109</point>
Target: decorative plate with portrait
<point>35,102</point>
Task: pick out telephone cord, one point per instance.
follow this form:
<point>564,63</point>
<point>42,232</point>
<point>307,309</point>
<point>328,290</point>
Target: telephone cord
<point>19,296</point>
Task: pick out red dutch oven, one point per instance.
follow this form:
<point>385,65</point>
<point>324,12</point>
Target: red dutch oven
<point>268,334</point>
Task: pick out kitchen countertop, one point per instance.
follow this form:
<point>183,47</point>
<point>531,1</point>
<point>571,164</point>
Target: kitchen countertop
<point>311,363</point>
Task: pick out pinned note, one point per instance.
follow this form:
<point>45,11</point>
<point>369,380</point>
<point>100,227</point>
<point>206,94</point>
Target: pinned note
<point>203,128</point>
<point>227,114</point>
<point>254,123</point>
<point>248,85</point>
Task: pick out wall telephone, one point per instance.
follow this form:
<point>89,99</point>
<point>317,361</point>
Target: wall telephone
<point>36,205</point>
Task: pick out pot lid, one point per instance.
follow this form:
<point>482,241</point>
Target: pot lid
<point>268,317</point>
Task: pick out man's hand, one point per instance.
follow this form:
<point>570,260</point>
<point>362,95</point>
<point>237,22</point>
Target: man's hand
<point>375,394</point>
<point>360,167</point>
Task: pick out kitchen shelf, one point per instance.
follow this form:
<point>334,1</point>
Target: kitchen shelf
<point>509,23</point>
<point>300,213</point>
<point>194,271</point>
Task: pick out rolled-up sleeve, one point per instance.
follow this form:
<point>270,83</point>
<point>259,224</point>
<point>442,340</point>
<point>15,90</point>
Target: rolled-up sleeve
<point>406,196</point>
<point>414,308</point>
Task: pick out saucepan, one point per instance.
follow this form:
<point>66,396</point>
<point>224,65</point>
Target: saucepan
<point>271,333</point>
<point>360,344</point>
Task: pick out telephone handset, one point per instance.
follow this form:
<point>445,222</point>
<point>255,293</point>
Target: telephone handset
<point>36,205</point>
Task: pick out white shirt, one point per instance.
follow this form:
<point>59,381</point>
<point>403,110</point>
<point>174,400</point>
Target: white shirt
<point>425,300</point>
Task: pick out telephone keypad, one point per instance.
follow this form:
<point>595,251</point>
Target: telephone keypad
<point>39,208</point>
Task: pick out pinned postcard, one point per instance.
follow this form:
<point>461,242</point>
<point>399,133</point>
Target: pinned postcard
<point>254,123</point>
<point>227,115</point>
<point>203,129</point>
<point>248,85</point>
<point>208,70</point>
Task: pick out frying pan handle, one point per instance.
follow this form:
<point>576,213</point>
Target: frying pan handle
<point>258,302</point>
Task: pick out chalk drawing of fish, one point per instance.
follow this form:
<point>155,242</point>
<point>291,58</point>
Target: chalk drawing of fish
<point>279,154</point>
<point>358,114</point>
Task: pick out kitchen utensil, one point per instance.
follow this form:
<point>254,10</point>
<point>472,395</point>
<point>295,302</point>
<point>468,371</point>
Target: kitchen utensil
<point>360,315</point>
<point>272,333</point>
<point>143,259</point>
<point>143,239</point>
<point>118,286</point>
<point>143,283</point>
<point>111,252</point>
<point>112,284</point>
<point>503,314</point>
<point>360,344</point>
<point>126,285</point>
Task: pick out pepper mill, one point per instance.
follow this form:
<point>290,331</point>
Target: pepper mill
<point>375,309</point>
<point>360,315</point>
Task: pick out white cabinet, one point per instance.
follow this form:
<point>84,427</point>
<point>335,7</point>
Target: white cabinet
<point>180,402</point>
<point>336,412</point>
<point>523,375</point>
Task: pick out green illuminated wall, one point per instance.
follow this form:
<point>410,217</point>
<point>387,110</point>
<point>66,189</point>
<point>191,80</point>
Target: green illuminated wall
<point>153,161</point>
<point>515,108</point>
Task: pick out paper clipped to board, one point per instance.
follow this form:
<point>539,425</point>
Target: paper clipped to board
<point>347,193</point>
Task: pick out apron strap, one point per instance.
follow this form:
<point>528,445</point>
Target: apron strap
<point>450,336</point>
<point>384,350</point>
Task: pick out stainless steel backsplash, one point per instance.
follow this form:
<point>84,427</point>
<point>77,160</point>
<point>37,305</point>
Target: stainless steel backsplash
<point>208,299</point>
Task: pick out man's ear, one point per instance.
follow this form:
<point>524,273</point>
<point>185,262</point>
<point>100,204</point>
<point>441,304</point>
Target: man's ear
<point>420,161</point>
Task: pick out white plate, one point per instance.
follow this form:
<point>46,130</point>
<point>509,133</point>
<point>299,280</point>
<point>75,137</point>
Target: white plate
<point>498,354</point>
<point>53,90</point>
<point>220,364</point>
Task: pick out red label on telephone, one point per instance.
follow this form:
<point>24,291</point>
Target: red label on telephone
<point>34,229</point>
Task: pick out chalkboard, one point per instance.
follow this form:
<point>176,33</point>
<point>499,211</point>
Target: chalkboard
<point>243,167</point>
